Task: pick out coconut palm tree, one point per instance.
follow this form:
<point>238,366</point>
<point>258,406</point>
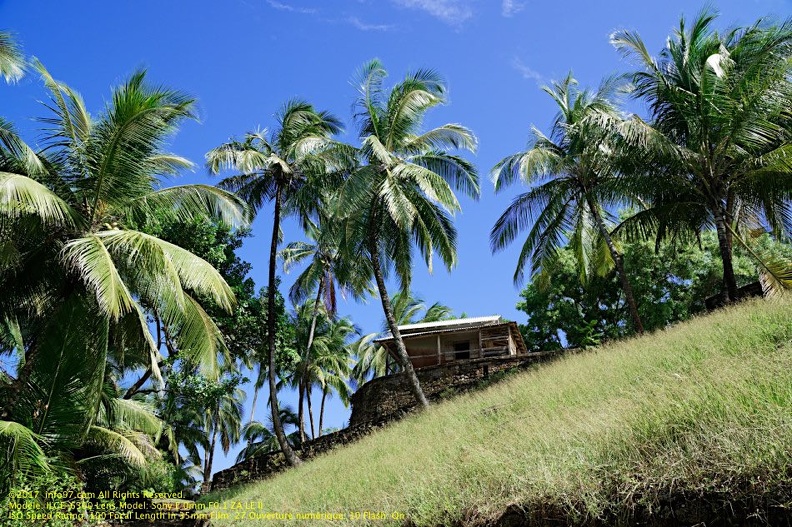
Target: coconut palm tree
<point>327,273</point>
<point>402,194</point>
<point>223,421</point>
<point>718,150</point>
<point>326,365</point>
<point>261,438</point>
<point>77,274</point>
<point>574,180</point>
<point>291,167</point>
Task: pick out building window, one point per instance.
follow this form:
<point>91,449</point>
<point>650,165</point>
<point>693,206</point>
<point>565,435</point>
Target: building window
<point>462,350</point>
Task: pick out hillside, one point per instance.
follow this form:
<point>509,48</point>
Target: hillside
<point>690,424</point>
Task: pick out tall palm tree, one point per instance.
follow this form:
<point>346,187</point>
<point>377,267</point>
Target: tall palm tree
<point>290,167</point>
<point>403,192</point>
<point>326,365</point>
<point>332,357</point>
<point>327,273</point>
<point>223,421</point>
<point>78,277</point>
<point>718,150</point>
<point>574,179</point>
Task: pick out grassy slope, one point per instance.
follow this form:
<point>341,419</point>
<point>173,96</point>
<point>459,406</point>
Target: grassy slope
<point>702,408</point>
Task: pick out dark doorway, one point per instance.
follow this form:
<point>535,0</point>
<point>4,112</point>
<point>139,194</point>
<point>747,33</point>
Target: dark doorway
<point>462,350</point>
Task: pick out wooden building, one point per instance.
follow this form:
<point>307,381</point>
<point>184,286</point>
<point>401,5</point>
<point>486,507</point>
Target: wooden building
<point>437,343</point>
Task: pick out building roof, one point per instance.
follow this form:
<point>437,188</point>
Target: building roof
<point>444,326</point>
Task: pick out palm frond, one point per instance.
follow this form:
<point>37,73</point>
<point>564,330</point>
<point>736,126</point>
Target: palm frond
<point>188,202</point>
<point>12,62</point>
<point>22,452</point>
<point>21,195</point>
<point>93,264</point>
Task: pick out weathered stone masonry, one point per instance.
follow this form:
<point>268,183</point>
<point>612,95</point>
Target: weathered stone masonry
<point>391,394</point>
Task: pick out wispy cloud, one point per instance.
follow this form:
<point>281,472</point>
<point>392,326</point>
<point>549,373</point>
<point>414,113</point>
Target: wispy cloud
<point>287,7</point>
<point>511,7</point>
<point>526,71</point>
<point>453,12</point>
<point>364,26</point>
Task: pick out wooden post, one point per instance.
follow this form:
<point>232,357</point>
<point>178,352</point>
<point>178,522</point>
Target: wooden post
<point>481,346</point>
<point>439,356</point>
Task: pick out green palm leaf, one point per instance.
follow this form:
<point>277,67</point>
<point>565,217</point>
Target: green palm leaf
<point>21,195</point>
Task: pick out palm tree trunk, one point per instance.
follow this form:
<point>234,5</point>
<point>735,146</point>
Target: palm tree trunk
<point>401,351</point>
<point>300,410</point>
<point>725,246</point>
<point>140,382</point>
<point>321,411</point>
<point>206,486</point>
<point>618,260</point>
<point>288,453</point>
<point>310,411</point>
<point>255,398</point>
<point>307,359</point>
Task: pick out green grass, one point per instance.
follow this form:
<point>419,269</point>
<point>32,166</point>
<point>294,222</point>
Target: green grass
<point>701,409</point>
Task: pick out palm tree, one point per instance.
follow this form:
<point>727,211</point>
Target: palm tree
<point>290,167</point>
<point>403,191</point>
<point>261,438</point>
<point>718,148</point>
<point>331,358</point>
<point>78,276</point>
<point>574,178</point>
<point>223,420</point>
<point>327,273</point>
<point>12,62</point>
<point>326,364</point>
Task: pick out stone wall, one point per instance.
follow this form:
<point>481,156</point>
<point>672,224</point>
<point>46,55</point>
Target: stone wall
<point>264,466</point>
<point>389,395</point>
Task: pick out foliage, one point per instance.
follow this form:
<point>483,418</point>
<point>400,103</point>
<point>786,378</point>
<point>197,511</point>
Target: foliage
<point>673,283</point>
<point>401,194</point>
<point>12,62</point>
<point>79,278</point>
<point>34,488</point>
<point>717,153</point>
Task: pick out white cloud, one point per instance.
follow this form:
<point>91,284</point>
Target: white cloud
<point>526,71</point>
<point>511,7</point>
<point>287,7</point>
<point>364,26</point>
<point>453,12</point>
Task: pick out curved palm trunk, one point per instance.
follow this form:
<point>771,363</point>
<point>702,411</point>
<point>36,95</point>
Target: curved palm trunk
<point>618,259</point>
<point>404,359</point>
<point>300,410</point>
<point>311,333</point>
<point>206,485</point>
<point>310,411</point>
<point>725,246</point>
<point>321,411</point>
<point>255,398</point>
<point>288,453</point>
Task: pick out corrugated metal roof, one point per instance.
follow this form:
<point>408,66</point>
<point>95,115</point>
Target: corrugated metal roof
<point>458,323</point>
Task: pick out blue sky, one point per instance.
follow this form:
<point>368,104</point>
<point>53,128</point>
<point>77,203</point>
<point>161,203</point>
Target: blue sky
<point>242,59</point>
